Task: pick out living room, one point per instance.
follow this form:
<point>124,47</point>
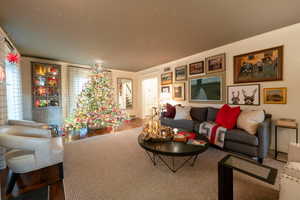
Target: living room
<point>189,100</point>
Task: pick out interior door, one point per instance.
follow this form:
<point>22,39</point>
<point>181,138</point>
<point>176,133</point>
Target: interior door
<point>150,95</point>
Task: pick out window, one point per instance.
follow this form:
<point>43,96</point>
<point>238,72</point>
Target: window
<point>77,78</point>
<point>14,91</point>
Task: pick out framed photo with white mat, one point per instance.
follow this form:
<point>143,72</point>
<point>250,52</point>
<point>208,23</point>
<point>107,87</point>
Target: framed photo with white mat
<point>243,95</point>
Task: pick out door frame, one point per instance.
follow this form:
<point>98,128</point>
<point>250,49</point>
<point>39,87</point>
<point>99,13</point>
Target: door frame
<point>143,99</point>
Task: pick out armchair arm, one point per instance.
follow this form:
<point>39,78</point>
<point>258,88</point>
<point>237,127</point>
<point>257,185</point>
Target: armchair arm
<point>26,131</point>
<point>294,152</point>
<point>263,134</point>
<point>28,123</point>
<point>23,142</point>
<point>41,147</point>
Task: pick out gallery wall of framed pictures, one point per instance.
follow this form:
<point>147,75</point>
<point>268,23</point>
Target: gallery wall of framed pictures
<point>204,81</point>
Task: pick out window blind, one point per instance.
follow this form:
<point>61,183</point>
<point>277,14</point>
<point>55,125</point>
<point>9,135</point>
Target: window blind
<point>77,78</point>
<point>14,91</point>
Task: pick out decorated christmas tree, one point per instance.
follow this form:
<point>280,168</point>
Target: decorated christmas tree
<point>95,106</point>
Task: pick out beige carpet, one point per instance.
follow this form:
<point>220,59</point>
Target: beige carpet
<point>114,167</point>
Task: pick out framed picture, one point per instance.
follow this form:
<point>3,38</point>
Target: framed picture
<point>243,95</point>
<point>207,89</point>
<point>275,95</point>
<point>215,63</point>
<point>180,73</point>
<point>258,66</point>
<point>196,68</point>
<point>167,78</point>
<point>179,91</point>
<point>166,89</point>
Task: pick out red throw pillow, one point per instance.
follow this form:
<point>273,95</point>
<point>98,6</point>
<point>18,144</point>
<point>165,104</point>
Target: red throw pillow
<point>227,116</point>
<point>232,117</point>
<point>171,111</point>
<point>221,115</point>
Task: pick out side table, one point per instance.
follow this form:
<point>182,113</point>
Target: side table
<point>288,127</point>
<point>225,174</point>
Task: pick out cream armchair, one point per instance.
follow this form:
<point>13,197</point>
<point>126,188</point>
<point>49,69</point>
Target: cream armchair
<point>290,178</point>
<point>30,149</point>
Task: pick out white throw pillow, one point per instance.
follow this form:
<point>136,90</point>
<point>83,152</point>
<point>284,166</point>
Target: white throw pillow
<point>249,120</point>
<point>182,112</point>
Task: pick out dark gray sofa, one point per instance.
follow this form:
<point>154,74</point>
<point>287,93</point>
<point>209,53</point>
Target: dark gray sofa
<point>236,140</point>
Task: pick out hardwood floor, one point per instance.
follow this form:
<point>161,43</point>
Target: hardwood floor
<point>50,175</point>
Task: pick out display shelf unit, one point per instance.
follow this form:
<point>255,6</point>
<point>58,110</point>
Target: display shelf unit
<point>46,93</point>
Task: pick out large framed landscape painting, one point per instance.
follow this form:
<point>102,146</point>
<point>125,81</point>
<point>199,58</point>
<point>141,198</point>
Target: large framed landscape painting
<point>275,95</point>
<point>243,94</point>
<point>258,66</point>
<point>207,89</point>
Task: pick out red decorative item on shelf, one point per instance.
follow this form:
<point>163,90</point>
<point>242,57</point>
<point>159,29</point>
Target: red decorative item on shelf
<point>13,58</point>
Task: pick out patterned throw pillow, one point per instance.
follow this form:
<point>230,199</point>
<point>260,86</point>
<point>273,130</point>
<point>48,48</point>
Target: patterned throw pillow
<point>183,112</point>
<point>249,120</point>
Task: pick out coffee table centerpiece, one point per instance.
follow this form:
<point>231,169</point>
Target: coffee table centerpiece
<point>153,131</point>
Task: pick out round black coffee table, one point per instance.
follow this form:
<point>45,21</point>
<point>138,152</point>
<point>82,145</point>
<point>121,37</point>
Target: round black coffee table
<point>172,149</point>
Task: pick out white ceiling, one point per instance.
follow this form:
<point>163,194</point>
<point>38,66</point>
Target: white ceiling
<point>137,34</point>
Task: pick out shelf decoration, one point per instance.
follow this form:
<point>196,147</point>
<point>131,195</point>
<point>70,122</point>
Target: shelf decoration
<point>46,85</point>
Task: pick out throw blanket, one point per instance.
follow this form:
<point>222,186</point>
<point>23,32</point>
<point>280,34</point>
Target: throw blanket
<point>214,132</point>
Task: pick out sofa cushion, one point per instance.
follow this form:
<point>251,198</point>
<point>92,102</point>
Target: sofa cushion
<point>171,111</point>
<point>222,115</point>
<point>182,113</point>
<point>241,136</point>
<point>181,124</point>
<point>212,114</point>
<point>249,120</point>
<point>199,114</point>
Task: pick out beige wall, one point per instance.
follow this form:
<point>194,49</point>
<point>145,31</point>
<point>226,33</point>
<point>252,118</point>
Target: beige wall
<point>290,38</point>
<point>26,84</point>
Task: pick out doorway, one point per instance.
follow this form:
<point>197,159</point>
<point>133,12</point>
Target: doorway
<point>150,95</point>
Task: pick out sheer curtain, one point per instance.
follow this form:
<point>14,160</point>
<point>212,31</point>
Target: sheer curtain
<point>14,91</point>
<point>78,76</point>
